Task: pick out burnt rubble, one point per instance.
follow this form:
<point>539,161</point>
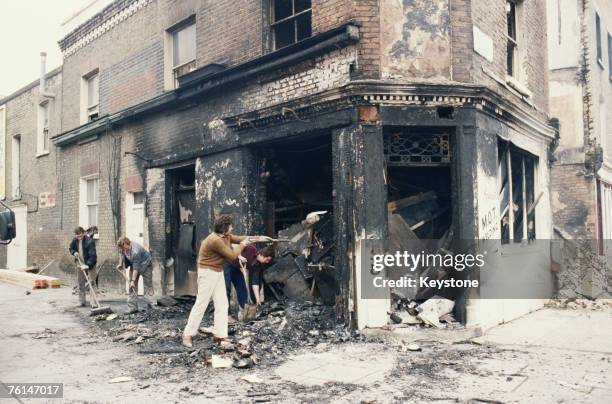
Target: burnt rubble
<point>279,329</point>
<point>304,266</point>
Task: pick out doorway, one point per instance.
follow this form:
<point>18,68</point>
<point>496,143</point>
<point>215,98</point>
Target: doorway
<point>17,250</point>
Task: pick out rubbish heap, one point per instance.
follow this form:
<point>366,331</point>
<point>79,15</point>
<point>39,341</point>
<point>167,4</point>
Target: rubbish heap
<point>417,224</point>
<point>279,329</point>
<point>304,266</point>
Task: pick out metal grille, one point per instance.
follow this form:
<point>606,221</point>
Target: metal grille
<point>417,149</point>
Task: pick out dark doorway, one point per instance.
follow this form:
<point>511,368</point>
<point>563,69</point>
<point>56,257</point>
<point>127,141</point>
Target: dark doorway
<point>183,228</point>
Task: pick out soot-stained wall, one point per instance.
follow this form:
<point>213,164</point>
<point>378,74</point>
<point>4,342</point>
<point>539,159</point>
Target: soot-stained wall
<point>416,39</point>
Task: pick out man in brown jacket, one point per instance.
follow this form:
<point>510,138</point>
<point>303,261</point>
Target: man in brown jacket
<point>215,250</point>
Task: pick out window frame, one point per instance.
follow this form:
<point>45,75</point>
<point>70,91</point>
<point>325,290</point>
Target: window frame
<point>292,17</point>
<point>598,40</point>
<point>16,167</point>
<point>42,140</point>
<point>609,56</point>
<point>178,70</point>
<point>510,150</point>
<point>90,111</point>
<point>512,45</point>
<point>84,203</point>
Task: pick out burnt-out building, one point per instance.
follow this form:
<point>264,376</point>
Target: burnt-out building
<point>177,111</point>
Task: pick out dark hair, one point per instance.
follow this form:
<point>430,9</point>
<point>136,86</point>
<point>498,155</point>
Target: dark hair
<point>267,251</point>
<point>79,230</point>
<point>223,223</point>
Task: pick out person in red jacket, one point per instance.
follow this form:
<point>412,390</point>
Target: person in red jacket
<point>255,261</point>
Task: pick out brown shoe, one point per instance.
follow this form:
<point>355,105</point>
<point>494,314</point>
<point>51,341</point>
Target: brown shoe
<point>218,340</point>
<point>187,341</point>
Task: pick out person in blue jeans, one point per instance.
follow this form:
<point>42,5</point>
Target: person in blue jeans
<point>256,261</point>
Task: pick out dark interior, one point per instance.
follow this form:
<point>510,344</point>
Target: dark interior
<point>297,178</point>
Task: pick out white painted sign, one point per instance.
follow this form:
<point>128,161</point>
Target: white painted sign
<point>483,44</point>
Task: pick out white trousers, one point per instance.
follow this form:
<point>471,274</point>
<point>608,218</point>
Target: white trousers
<point>210,284</point>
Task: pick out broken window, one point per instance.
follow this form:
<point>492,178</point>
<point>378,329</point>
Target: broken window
<point>291,21</point>
<point>418,176</point>
<point>511,38</point>
<point>516,173</point>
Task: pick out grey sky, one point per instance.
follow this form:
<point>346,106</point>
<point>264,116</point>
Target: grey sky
<point>28,27</point>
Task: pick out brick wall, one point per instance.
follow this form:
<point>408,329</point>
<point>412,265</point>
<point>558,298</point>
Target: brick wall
<point>229,31</point>
<point>490,17</point>
<point>129,57</point>
<point>37,174</point>
<point>461,40</point>
<point>573,200</point>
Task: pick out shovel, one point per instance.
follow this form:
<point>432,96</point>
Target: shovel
<point>249,311</point>
<point>98,309</point>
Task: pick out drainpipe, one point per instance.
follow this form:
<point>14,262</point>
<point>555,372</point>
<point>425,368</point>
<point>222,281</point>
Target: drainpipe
<point>42,87</point>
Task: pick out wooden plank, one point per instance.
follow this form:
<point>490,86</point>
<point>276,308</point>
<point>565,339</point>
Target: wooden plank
<point>28,280</point>
<point>411,200</point>
<point>32,269</point>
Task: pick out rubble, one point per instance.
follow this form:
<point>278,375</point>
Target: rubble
<point>434,308</point>
<point>253,379</point>
<point>304,267</point>
<point>218,361</point>
<point>280,328</point>
<point>575,304</point>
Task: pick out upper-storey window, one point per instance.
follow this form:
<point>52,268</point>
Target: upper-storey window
<point>610,56</point>
<point>42,141</point>
<point>183,49</point>
<point>291,21</point>
<point>511,38</point>
<point>598,39</point>
<point>90,99</point>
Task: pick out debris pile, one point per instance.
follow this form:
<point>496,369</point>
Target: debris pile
<point>280,328</point>
<point>431,313</point>
<point>421,223</point>
<point>575,304</point>
<point>304,267</point>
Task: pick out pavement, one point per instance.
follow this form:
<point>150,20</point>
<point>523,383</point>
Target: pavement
<point>549,356</point>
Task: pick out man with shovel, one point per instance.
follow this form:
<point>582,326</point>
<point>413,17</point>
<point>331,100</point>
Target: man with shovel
<point>136,257</point>
<point>84,248</point>
<point>255,261</point>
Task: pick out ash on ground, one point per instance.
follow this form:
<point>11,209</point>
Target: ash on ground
<point>279,329</point>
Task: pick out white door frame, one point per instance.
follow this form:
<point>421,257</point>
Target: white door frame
<point>131,221</point>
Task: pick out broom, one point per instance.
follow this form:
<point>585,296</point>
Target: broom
<point>98,309</point>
